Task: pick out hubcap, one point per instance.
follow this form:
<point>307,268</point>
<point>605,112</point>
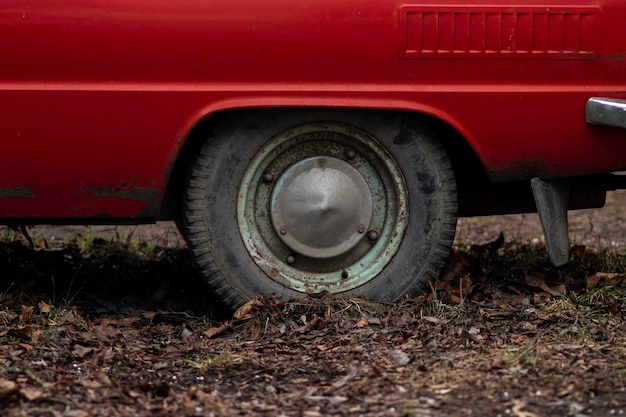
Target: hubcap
<point>321,207</point>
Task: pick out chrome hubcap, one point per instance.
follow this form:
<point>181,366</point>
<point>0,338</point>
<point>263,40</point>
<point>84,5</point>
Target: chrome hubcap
<point>321,207</point>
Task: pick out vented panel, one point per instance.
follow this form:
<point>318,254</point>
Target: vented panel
<point>488,32</point>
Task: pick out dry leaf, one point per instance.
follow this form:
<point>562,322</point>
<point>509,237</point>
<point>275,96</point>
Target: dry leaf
<point>538,282</point>
<point>609,278</point>
<point>31,394</point>
<point>374,320</point>
<point>332,400</point>
<point>128,321</point>
<point>541,298</point>
<point>26,332</point>
<point>89,383</point>
<point>325,348</point>
<point>25,316</point>
<point>34,335</point>
<point>26,346</point>
<point>578,251</point>
<point>43,307</point>
<point>455,299</point>
<point>106,332</point>
<point>362,322</point>
<point>185,333</point>
<point>399,357</point>
<point>7,389</point>
<point>104,378</point>
<point>433,320</point>
<point>593,281</point>
<point>316,323</point>
<point>518,412</point>
<point>103,354</point>
<point>465,283</point>
<point>76,413</point>
<point>249,309</point>
<point>212,332</point>
<point>255,329</point>
<point>40,362</point>
<point>149,315</point>
<point>81,351</point>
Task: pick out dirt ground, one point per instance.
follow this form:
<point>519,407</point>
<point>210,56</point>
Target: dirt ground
<point>598,228</point>
<point>113,322</point>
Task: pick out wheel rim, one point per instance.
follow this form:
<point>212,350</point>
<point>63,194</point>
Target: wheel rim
<point>322,207</point>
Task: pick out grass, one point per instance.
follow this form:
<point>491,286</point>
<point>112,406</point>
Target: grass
<point>437,307</point>
<point>4,293</point>
<point>89,241</point>
<point>8,235</point>
<point>223,360</point>
<point>118,241</point>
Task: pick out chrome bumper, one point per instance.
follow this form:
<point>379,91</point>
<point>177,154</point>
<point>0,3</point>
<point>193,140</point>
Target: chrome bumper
<point>606,112</point>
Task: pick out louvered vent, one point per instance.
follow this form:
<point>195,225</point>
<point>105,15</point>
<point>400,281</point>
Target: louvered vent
<point>487,32</point>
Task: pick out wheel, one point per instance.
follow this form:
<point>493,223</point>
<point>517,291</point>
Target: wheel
<point>301,201</point>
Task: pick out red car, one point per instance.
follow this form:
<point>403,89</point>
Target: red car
<point>310,146</point>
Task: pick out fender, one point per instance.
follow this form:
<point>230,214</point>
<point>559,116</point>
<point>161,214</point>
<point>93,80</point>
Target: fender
<point>328,101</point>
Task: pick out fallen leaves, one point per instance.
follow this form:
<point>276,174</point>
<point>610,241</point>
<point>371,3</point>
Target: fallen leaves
<point>212,332</point>
<point>44,307</point>
<point>399,357</point>
<point>539,282</point>
<point>362,322</point>
<point>24,317</point>
<point>606,279</point>
<point>7,389</point>
<point>259,303</point>
<point>491,325</point>
<point>518,410</point>
<point>80,351</point>
<point>31,394</point>
<point>316,323</point>
<point>249,309</point>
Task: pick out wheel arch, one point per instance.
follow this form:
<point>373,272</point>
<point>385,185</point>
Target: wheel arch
<point>463,156</point>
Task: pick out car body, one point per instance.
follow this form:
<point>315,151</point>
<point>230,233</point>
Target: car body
<point>104,105</point>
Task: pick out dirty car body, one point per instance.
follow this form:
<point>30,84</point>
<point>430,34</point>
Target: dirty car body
<point>114,112</point>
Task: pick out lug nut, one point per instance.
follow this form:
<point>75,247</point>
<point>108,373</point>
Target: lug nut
<point>372,235</point>
<point>361,228</point>
<point>350,154</point>
<point>282,230</point>
<point>291,259</point>
<point>268,177</point>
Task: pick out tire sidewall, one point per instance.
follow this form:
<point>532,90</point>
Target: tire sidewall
<point>235,142</point>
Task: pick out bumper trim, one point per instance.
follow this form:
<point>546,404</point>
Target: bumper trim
<point>606,112</point>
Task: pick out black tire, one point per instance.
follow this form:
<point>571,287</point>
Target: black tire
<point>214,222</point>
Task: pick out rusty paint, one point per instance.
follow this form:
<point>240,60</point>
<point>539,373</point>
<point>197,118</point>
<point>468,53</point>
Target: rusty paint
<point>172,157</point>
<point>18,192</point>
<point>147,195</point>
<point>524,170</point>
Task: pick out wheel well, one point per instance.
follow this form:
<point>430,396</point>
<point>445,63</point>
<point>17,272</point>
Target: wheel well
<point>465,162</point>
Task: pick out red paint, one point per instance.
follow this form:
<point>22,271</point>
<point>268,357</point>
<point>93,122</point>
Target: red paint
<point>99,95</point>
